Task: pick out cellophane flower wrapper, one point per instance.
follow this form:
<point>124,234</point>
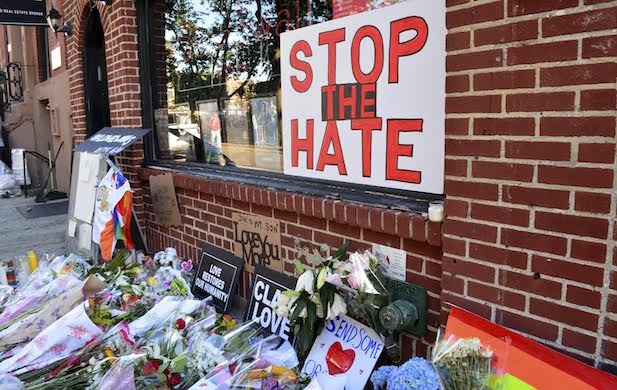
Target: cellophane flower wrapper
<point>271,366</point>
<point>462,363</point>
<point>59,340</point>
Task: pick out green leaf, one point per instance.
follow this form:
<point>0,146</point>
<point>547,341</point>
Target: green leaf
<point>179,363</point>
<point>341,251</point>
<point>311,309</point>
<point>323,297</point>
<point>300,304</point>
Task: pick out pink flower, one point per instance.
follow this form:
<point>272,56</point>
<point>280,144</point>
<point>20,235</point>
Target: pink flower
<point>78,331</point>
<point>180,323</point>
<point>58,349</point>
<point>40,341</point>
<point>186,265</point>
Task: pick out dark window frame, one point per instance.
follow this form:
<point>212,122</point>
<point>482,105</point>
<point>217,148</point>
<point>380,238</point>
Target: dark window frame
<point>370,195</point>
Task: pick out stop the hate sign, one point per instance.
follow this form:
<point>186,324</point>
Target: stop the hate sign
<point>364,98</point>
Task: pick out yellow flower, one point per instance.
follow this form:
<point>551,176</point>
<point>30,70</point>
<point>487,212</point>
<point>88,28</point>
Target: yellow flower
<point>231,324</point>
<point>126,297</point>
<point>109,353</point>
<point>151,282</point>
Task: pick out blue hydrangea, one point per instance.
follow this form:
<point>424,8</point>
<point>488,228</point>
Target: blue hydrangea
<point>380,376</point>
<point>416,373</point>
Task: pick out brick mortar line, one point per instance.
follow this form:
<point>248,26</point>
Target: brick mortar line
<point>519,206</point>
<point>527,90</point>
<point>540,185</point>
<point>529,114</point>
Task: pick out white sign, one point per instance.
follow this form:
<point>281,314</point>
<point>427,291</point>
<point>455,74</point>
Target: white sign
<point>393,261</point>
<point>364,98</point>
<point>345,348</point>
<point>56,58</point>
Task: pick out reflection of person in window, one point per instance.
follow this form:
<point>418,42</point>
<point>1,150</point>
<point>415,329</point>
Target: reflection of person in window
<point>215,129</point>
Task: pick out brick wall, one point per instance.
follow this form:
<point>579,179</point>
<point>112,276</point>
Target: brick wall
<point>530,169</point>
<point>121,52</point>
<point>206,207</point>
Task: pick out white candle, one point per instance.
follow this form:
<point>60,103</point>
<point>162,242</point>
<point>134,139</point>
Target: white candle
<point>435,212</point>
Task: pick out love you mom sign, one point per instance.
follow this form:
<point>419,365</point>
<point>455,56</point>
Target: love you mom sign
<point>364,98</point>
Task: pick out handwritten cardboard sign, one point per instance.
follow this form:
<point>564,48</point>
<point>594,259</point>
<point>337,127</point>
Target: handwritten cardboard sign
<point>164,200</point>
<point>217,275</point>
<point>257,241</point>
<point>267,287</point>
<point>364,98</point>
<point>344,347</point>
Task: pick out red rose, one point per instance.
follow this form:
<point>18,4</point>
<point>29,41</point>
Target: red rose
<point>151,367</point>
<point>180,323</point>
<point>173,379</point>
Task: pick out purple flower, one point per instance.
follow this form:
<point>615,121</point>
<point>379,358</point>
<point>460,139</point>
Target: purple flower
<point>270,384</point>
<point>41,324</point>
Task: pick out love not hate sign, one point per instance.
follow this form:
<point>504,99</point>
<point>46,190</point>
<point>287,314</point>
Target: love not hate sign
<point>364,98</point>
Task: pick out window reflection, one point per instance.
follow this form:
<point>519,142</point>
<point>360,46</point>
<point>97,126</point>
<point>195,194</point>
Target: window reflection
<point>217,66</point>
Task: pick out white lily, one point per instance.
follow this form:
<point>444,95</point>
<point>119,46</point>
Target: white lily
<point>305,282</point>
<point>337,308</point>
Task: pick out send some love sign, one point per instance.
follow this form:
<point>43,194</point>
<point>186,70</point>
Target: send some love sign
<point>364,98</point>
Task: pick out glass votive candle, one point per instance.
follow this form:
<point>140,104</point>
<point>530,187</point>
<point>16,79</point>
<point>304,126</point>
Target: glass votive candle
<point>436,211</point>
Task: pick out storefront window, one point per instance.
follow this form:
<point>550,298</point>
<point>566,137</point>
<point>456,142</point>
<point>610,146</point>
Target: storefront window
<point>218,78</point>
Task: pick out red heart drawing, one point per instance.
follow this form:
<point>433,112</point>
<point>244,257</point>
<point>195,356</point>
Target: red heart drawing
<point>339,361</point>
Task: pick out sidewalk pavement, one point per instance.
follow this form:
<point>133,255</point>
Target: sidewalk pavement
<point>18,235</point>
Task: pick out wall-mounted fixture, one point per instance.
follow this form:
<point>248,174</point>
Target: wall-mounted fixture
<point>54,19</point>
<point>106,2</point>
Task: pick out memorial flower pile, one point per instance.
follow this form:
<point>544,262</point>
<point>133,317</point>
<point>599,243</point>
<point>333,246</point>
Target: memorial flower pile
<point>415,374</point>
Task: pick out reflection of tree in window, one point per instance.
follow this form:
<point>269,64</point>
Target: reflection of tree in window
<point>227,51</point>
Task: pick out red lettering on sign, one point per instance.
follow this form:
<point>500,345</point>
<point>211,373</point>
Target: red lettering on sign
<point>331,137</point>
<point>331,38</point>
<point>394,150</point>
<point>373,33</point>
<point>303,66</point>
<point>299,144</point>
<point>367,126</point>
<point>401,49</point>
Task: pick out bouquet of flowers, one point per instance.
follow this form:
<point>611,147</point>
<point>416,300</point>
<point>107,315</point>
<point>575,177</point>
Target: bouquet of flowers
<point>316,297</point>
<point>462,363</point>
<point>416,373</point>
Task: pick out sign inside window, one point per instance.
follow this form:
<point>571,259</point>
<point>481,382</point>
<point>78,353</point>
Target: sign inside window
<point>23,12</point>
<point>364,98</point>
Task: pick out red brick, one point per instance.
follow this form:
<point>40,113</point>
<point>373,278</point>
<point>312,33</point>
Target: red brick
<point>472,15</point>
<point>457,126</point>
<point>564,314</point>
<point>610,327</point>
<point>300,232</point>
<point>590,251</point>
<point>363,217</point>
<point>536,102</point>
<point>459,147</point>
<point>286,216</point>
<point>535,150</point>
<point>496,295</point>
<point>581,342</point>
<point>583,297</point>
<point>453,246</point>
<point>469,269</point>
<point>382,238</point>
<point>512,32</point>
<point>457,41</point>
<point>500,214</point>
<point>418,228</point>
<point>603,19</point>
<point>599,99</point>
<point>576,176</point>
<point>312,222</point>
<point>344,230</point>
<point>456,167</point>
<point>596,153</point>
<point>456,208</point>
<point>611,304</point>
<point>536,197</point>
<point>389,222</point>
<point>526,7</point>
<point>434,233</point>
<point>605,46</point>
<point>609,350</point>
<point>543,52</point>
<point>329,239</point>
<point>470,104</point>
<point>567,270</point>
<point>578,74</point>
<point>523,323</point>
<point>593,202</point>
<point>422,249</point>
<point>403,225</point>
<point>498,255</point>
<point>452,283</point>
<point>457,83</point>
<point>524,282</point>
<point>471,190</point>
<point>450,3</point>
<point>535,241</point>
<point>475,60</point>
<point>470,230</point>
<point>578,126</point>
<point>504,80</point>
<point>375,218</point>
<point>503,171</point>
<point>572,224</point>
<point>504,126</point>
<point>477,308</point>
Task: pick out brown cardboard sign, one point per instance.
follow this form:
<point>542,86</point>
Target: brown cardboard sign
<point>257,241</point>
<point>164,200</point>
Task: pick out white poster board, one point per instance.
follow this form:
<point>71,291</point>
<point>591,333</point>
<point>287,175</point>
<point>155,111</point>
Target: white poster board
<point>345,348</point>
<point>364,98</point>
<point>393,261</point>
